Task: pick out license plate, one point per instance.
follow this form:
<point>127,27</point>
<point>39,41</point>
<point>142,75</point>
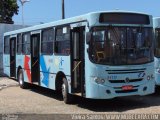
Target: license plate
<point>127,87</point>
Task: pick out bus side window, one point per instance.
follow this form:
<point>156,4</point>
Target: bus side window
<point>62,42</point>
<point>19,44</point>
<point>26,44</point>
<point>6,45</point>
<point>47,41</point>
<point>76,45</point>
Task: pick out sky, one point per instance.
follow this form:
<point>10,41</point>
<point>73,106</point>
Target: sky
<point>43,11</point>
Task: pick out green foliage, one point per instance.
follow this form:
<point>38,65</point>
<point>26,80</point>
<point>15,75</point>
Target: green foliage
<point>7,10</point>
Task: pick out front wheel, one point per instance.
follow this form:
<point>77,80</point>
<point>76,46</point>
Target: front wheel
<point>67,98</point>
<point>22,84</point>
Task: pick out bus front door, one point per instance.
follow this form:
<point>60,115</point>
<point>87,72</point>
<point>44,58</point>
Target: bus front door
<point>77,60</point>
<point>13,57</point>
<point>35,68</point>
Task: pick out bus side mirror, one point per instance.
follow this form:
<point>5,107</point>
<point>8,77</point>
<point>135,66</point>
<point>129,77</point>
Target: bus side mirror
<point>88,37</point>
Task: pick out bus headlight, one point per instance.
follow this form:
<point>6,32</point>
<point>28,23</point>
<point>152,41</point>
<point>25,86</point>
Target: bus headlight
<point>96,79</point>
<point>99,80</point>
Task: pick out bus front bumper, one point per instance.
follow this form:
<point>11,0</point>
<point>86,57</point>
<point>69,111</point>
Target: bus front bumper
<point>98,91</point>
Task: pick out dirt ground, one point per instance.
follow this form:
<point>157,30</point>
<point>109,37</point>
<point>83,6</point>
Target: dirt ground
<point>37,100</point>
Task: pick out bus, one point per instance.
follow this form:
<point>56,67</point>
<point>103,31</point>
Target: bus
<point>99,55</point>
<point>156,25</point>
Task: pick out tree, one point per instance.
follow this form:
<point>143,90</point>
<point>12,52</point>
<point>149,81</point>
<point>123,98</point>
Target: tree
<point>7,10</point>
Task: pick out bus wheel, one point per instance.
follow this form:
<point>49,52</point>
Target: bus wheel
<point>22,84</point>
<point>67,98</point>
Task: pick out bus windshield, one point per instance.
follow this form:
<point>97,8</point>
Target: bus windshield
<point>157,45</point>
<point>121,45</point>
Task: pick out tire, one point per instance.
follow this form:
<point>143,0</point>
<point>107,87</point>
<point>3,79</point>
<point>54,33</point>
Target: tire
<point>67,98</point>
<point>22,84</point>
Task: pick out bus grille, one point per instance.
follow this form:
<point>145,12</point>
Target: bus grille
<point>126,91</point>
<point>123,81</point>
<point>126,71</point>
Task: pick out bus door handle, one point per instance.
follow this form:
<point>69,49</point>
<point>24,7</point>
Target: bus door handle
<point>76,66</point>
<point>34,63</point>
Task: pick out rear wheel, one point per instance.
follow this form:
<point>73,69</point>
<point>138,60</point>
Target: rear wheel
<point>67,98</point>
<point>22,84</point>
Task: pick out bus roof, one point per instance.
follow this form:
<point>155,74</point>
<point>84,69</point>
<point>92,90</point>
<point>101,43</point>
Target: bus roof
<point>85,17</point>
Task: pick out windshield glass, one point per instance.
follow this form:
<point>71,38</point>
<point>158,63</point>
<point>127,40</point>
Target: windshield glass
<point>157,45</point>
<point>121,45</point>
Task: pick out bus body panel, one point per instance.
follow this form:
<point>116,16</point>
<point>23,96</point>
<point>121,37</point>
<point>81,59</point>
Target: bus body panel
<point>47,80</point>
<point>19,63</point>
<point>47,77</point>
<point>6,64</point>
<point>24,62</point>
<point>97,91</point>
<point>62,63</point>
<point>50,66</point>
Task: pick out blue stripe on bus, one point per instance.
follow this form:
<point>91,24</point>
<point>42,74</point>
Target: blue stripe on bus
<point>45,79</point>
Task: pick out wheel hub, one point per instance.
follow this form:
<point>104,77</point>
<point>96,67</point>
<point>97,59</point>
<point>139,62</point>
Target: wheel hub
<point>63,90</point>
<point>20,79</point>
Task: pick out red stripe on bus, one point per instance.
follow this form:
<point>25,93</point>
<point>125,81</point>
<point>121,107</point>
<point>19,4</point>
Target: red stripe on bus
<point>26,66</point>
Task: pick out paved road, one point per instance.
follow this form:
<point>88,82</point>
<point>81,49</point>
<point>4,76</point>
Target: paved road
<point>14,100</point>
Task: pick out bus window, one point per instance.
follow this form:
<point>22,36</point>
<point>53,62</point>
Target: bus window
<point>35,47</point>
<point>76,43</point>
<point>6,45</point>
<point>62,45</point>
<point>26,44</point>
<point>12,48</point>
<point>99,38</point>
<point>157,48</point>
<point>19,44</point>
<point>121,45</point>
<point>47,41</point>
